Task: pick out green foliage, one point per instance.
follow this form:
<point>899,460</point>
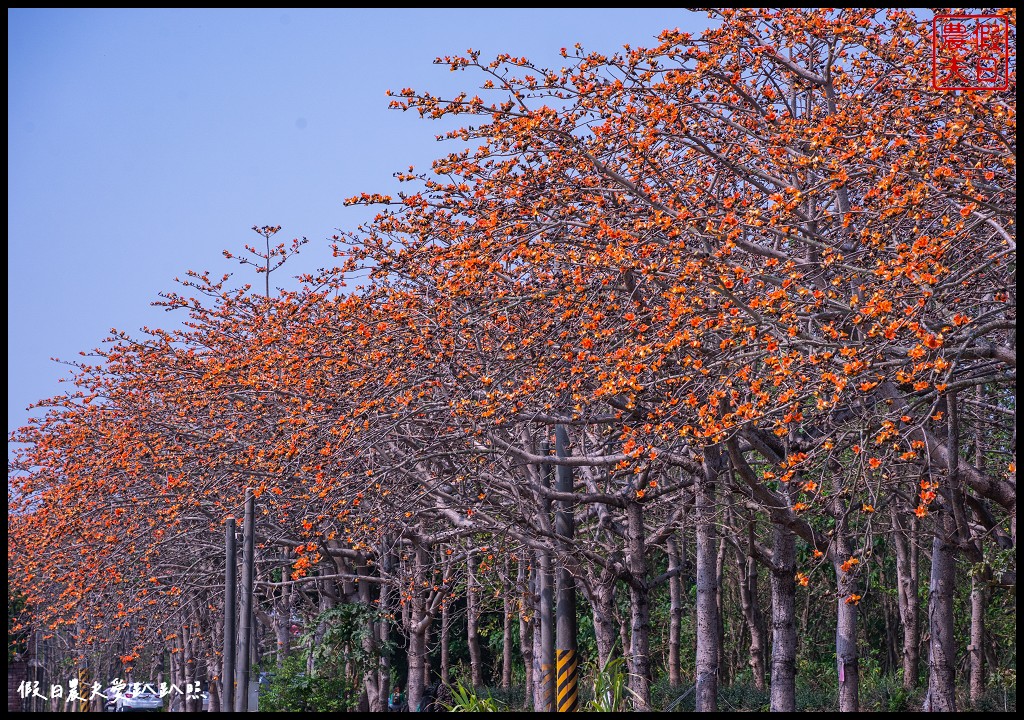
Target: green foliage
<point>744,696</point>
<point>345,629</point>
<point>885,693</point>
<point>465,699</point>
<point>586,637</point>
<point>817,685</point>
<point>610,687</point>
<point>997,699</point>
<point>665,697</point>
<point>292,689</point>
<point>492,632</point>
<point>335,644</point>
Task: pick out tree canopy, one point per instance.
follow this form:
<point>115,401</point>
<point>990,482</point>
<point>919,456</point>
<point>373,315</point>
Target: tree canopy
<point>763,279</point>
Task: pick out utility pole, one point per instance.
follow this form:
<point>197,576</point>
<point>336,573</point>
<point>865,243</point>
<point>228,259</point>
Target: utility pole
<point>566,660</point>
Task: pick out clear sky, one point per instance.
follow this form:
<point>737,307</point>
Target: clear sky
<point>142,143</point>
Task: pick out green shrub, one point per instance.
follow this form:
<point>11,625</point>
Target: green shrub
<point>465,699</point>
<point>610,687</point>
<point>292,689</point>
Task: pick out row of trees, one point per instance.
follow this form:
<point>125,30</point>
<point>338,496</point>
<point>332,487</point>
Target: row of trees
<point>754,291</point>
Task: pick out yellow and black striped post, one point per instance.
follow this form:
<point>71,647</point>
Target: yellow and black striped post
<point>83,689</point>
<point>568,681</point>
<point>566,642</point>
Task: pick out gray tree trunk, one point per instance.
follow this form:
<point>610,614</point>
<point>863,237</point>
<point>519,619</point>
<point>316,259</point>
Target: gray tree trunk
<point>242,666</point>
<point>506,637</point>
<point>227,678</point>
<point>724,676</point>
<point>371,682</point>
<point>640,613</point>
<point>188,668</point>
<point>905,542</point>
<point>446,626</point>
<point>675,591</point>
<point>708,645</point>
<point>213,669</point>
<point>847,659</point>
<point>750,605</point>
<point>473,627</point>
<point>545,678</point>
<point>941,695</point>
<point>386,605</point>
<point>950,524</point>
<point>418,621</point>
<point>527,618</point>
<point>605,627</point>
<point>783,686</point>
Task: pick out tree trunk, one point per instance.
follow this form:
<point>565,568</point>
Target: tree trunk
<point>847,598</point>
<point>640,613</point>
<point>723,664</point>
<point>541,688</point>
<point>230,621</point>
<point>177,701</point>
<point>605,627</point>
<point>675,591</point>
<point>371,682</point>
<point>545,655</point>
<point>950,524</point>
<point>473,627</point>
<point>245,614</point>
<point>620,621</point>
<point>188,669</point>
<point>751,608</point>
<point>428,625</point>
<point>527,618</point>
<point>847,662</point>
<point>446,626</point>
<point>213,670</point>
<point>905,542</point>
<point>941,695</point>
<point>282,620</point>
<point>282,632</point>
<point>417,658</point>
<point>506,636</point>
<point>783,687</point>
<point>708,645</point>
<point>386,606</point>
<point>418,621</point>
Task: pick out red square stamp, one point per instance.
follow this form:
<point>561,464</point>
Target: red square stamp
<point>970,52</point>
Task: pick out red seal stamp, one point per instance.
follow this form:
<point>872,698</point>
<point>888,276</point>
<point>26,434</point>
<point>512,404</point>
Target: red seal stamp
<point>970,52</point>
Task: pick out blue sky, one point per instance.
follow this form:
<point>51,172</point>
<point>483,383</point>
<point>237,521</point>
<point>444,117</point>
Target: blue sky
<point>142,143</point>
